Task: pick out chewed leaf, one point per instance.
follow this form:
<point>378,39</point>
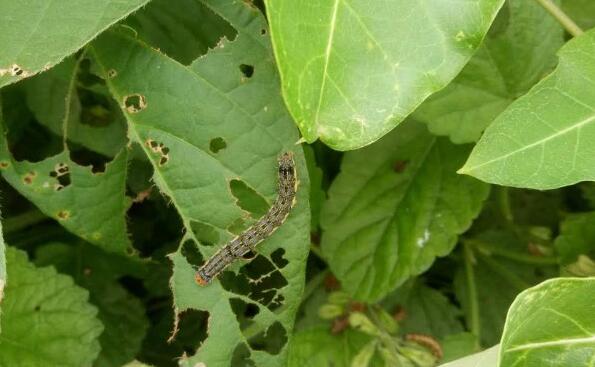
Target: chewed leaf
<point>543,140</point>
<point>90,205</point>
<point>185,115</point>
<point>366,65</point>
<point>395,207</point>
<point>40,306</point>
<point>36,35</point>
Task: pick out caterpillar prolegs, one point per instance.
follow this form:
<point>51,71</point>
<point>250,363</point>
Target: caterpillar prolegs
<point>262,229</point>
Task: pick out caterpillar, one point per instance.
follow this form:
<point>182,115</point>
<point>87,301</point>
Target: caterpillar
<point>427,341</point>
<point>259,231</point>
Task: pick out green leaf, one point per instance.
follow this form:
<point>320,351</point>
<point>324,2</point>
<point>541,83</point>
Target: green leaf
<point>367,65</point>
<point>517,52</point>
<point>122,314</point>
<point>427,311</point>
<point>317,194</point>
<point>566,306</point>
<point>103,131</point>
<point>36,35</point>
<point>577,237</point>
<point>542,140</point>
<point>456,346</point>
<point>394,208</point>
<point>317,347</point>
<point>175,117</point>
<point>487,358</point>
<point>90,205</point>
<point>172,28</point>
<point>46,319</point>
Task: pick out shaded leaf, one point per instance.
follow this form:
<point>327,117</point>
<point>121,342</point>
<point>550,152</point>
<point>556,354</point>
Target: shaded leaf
<point>577,237</point>
<point>2,266</point>
<point>581,11</point>
<point>394,208</point>
<point>36,35</point>
<point>367,65</point>
<point>517,52</point>
<point>566,306</point>
<point>174,115</point>
<point>459,345</point>
<point>122,314</point>
<point>90,205</point>
<point>542,140</point>
<point>46,319</point>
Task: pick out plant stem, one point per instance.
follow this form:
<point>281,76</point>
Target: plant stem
<point>561,17</point>
<point>21,221</point>
<point>473,317</point>
<point>513,255</point>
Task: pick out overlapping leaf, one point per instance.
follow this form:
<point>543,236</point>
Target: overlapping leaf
<point>36,35</point>
<point>208,128</point>
<point>543,140</point>
<point>566,306</point>
<point>394,208</point>
<point>517,52</point>
<point>46,319</point>
<point>367,65</point>
<point>577,237</point>
<point>90,205</point>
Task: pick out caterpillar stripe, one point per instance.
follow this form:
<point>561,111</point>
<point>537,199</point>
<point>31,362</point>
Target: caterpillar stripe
<point>262,229</point>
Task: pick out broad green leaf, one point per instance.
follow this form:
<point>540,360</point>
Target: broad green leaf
<point>90,205</point>
<point>542,140</point>
<point>172,27</point>
<point>36,35</point>
<point>457,346</point>
<point>46,319</point>
<point>178,115</point>
<point>122,315</point>
<point>317,194</point>
<point>498,280</point>
<point>517,52</point>
<point>317,347</point>
<point>565,306</point>
<point>394,208</point>
<point>369,64</point>
<point>487,358</point>
<point>577,237</point>
<point>97,126</point>
<point>426,311</point>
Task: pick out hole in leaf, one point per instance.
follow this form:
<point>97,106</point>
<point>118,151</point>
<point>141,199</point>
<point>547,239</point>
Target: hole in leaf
<point>191,253</point>
<point>191,330</point>
<point>278,259</point>
<point>63,214</point>
<point>263,32</point>
<point>112,73</point>
<point>249,255</point>
<point>241,357</point>
<point>4,164</point>
<point>96,108</point>
<point>206,234</point>
<point>62,175</point>
<point>135,103</point>
<point>29,176</point>
<point>37,308</point>
<point>244,311</point>
<point>85,157</point>
<point>248,199</point>
<point>217,144</point>
<point>272,340</point>
<point>247,70</point>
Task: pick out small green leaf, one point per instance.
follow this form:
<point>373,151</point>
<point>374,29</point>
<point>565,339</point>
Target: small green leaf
<point>517,52</point>
<point>36,35</point>
<point>363,358</point>
<point>577,237</point>
<point>394,208</point>
<point>542,140</point>
<point>487,358</point>
<point>456,346</point>
<point>552,324</point>
<point>90,205</point>
<point>367,65</point>
<point>46,319</point>
<point>317,347</point>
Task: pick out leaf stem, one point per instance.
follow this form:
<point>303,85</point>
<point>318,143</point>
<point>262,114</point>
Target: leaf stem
<point>561,17</point>
<point>489,249</point>
<point>21,221</point>
<point>473,316</point>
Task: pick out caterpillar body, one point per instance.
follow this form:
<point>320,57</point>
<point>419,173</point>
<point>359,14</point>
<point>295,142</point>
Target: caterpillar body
<point>259,231</point>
